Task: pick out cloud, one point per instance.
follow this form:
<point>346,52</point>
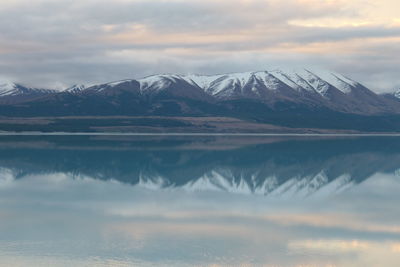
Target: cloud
<point>45,42</point>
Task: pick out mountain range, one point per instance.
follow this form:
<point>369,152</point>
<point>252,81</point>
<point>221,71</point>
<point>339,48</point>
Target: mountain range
<point>300,98</point>
<point>300,166</point>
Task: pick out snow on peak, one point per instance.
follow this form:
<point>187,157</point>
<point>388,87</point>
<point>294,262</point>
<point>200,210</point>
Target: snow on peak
<point>318,81</point>
<point>397,94</point>
<point>157,82</point>
<point>242,84</point>
<point>292,79</point>
<point>344,84</point>
<point>270,81</point>
<point>102,87</point>
<point>76,88</point>
<point>7,85</point>
<point>116,83</point>
<point>8,88</point>
<point>310,81</point>
<point>315,81</point>
<point>241,79</point>
<point>202,81</point>
<point>227,85</point>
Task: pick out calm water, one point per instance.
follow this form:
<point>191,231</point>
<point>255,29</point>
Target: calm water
<point>199,201</point>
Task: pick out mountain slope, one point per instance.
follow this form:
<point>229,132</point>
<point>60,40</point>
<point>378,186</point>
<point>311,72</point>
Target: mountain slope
<point>11,93</point>
<point>395,96</point>
<point>272,88</point>
<point>320,89</point>
<point>290,98</point>
<point>75,89</point>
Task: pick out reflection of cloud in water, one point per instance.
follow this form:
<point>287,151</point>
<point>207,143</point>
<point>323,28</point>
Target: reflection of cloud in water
<point>359,253</point>
<point>187,228</point>
<point>201,208</point>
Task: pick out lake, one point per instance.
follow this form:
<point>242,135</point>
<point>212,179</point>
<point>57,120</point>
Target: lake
<point>199,201</point>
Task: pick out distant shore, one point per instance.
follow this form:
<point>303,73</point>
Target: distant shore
<point>194,134</point>
<point>159,125</point>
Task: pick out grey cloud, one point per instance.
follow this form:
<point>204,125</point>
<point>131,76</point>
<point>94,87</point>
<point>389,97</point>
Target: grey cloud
<point>318,34</point>
<point>63,20</point>
<point>62,42</point>
<point>373,73</point>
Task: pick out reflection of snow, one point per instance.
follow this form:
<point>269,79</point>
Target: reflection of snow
<point>226,181</point>
<point>6,177</point>
<point>153,183</point>
<point>216,180</point>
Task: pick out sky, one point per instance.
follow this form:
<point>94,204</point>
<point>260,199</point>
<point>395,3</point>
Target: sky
<point>58,43</point>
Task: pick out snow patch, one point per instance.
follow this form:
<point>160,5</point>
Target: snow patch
<point>202,81</point>
<point>7,89</point>
<point>157,82</point>
<point>75,89</point>
<point>344,84</point>
<point>397,94</point>
<point>7,177</point>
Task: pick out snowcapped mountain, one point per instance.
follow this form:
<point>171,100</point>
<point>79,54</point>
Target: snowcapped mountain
<point>7,88</point>
<point>301,88</point>
<point>12,93</point>
<point>318,89</point>
<point>290,98</point>
<point>249,84</point>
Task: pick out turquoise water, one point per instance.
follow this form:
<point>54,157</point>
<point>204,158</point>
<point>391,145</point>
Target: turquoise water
<point>199,201</point>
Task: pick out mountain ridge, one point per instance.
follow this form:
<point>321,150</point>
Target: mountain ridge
<point>13,92</point>
<point>300,98</point>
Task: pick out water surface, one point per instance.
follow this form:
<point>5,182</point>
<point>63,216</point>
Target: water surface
<point>199,201</point>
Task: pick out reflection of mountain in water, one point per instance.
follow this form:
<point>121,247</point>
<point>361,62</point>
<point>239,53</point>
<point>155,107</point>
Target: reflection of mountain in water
<point>262,166</point>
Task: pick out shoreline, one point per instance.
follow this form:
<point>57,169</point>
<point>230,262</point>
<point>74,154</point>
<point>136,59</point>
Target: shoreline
<point>195,134</point>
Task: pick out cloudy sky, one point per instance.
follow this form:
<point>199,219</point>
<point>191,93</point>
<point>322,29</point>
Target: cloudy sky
<point>57,43</point>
